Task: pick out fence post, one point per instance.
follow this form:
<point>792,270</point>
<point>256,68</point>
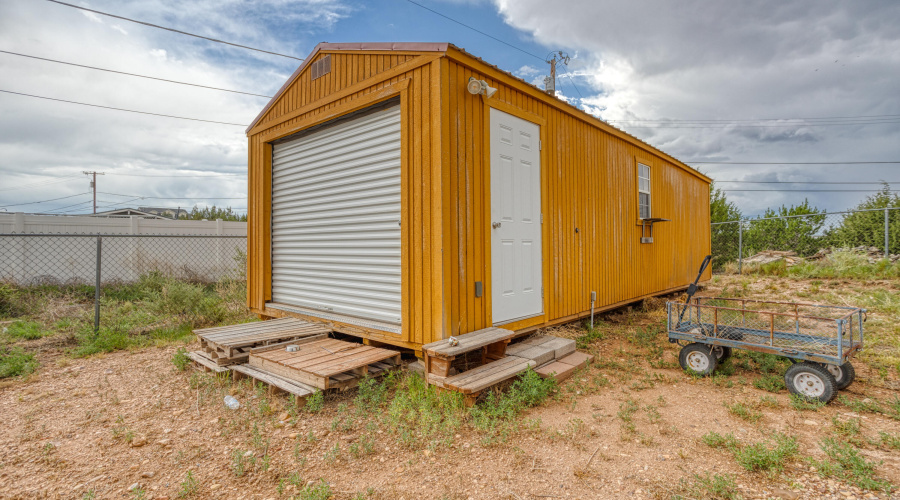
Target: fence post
<point>740,245</point>
<point>97,287</point>
<point>887,253</point>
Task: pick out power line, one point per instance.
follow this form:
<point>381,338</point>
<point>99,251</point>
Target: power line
<point>32,185</point>
<point>700,120</point>
<point>179,176</point>
<point>471,28</point>
<point>807,182</point>
<point>173,30</point>
<point>176,198</point>
<point>134,74</point>
<point>121,109</point>
<point>46,201</point>
<point>736,125</point>
<point>795,162</point>
<point>810,190</point>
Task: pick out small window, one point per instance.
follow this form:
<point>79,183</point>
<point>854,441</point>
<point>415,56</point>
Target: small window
<point>643,191</point>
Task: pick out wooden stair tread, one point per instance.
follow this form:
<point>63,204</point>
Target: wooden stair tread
<point>285,384</point>
<point>468,342</point>
<point>245,334</point>
<point>488,374</point>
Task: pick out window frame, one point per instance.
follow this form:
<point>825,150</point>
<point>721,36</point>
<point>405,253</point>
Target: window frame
<point>648,191</point>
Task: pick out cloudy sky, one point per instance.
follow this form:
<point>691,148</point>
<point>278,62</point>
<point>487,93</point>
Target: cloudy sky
<point>761,82</point>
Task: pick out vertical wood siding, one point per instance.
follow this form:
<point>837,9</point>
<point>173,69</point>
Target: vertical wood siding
<point>589,182</point>
<point>422,293</point>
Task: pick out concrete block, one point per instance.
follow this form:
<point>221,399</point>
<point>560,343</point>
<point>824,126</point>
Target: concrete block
<point>562,347</point>
<point>539,354</point>
<point>576,359</point>
<point>556,370</point>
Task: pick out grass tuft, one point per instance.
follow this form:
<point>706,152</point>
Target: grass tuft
<point>845,462</point>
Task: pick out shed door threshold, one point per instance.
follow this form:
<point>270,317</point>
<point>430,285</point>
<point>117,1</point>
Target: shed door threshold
<point>343,318</point>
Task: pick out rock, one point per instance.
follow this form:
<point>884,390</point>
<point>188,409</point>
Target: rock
<point>293,435</point>
<point>215,487</point>
<point>284,416</point>
<point>399,470</point>
<point>810,422</point>
<point>147,474</point>
<point>427,453</point>
<point>138,441</point>
<point>786,494</point>
<point>134,486</point>
<point>165,442</point>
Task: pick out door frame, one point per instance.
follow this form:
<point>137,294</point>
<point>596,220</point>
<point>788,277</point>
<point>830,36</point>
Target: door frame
<point>541,122</point>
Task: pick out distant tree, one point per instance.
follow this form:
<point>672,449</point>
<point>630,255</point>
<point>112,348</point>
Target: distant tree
<point>779,230</point>
<point>867,227</point>
<point>213,213</point>
<point>724,236</point>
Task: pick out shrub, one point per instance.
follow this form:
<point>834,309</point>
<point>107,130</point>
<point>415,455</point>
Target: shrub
<point>763,457</point>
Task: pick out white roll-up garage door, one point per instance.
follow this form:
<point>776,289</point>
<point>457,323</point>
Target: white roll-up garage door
<point>336,218</point>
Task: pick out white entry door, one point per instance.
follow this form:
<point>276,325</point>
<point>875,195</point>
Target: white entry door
<point>516,277</point>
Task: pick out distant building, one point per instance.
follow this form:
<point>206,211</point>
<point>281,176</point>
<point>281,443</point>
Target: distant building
<point>128,212</point>
<point>170,213</point>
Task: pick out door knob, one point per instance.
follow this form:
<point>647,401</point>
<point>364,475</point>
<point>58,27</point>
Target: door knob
<point>496,225</point>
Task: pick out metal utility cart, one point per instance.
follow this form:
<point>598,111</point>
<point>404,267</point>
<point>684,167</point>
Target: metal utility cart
<point>819,340</point>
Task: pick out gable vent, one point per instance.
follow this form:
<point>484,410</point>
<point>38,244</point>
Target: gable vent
<point>321,67</point>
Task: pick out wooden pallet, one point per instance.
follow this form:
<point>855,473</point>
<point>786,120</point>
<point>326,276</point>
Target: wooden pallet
<point>327,364</point>
<point>203,363</point>
<point>440,355</point>
<point>472,382</point>
<point>275,382</point>
<point>227,345</point>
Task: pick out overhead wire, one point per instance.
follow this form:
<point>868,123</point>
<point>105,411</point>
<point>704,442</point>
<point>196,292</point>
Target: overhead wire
<point>44,201</point>
<point>176,198</point>
<point>133,74</point>
<point>794,162</point>
<point>122,109</point>
<point>174,30</point>
<point>32,185</point>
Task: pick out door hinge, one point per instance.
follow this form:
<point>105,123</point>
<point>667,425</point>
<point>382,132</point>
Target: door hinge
<point>540,145</point>
<point>542,292</point>
<point>542,217</point>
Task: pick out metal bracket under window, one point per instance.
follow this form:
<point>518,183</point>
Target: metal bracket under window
<point>649,223</point>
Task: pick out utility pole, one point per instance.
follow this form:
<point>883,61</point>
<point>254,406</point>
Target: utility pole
<point>550,81</point>
<point>94,186</point>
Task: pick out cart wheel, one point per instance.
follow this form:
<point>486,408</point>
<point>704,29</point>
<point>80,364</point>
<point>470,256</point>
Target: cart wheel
<point>844,375</point>
<point>810,380</point>
<point>697,358</point>
<point>722,352</point>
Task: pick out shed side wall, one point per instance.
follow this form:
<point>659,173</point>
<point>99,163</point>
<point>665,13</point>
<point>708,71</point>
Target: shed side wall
<point>589,182</point>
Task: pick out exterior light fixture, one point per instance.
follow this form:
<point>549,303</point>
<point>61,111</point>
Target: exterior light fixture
<point>476,87</point>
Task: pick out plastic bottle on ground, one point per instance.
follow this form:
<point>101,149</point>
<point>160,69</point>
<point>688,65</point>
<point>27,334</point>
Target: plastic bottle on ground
<point>232,403</point>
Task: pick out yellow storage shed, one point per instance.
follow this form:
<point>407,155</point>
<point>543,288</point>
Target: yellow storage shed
<point>407,192</point>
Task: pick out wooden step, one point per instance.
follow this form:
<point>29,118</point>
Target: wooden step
<point>273,380</point>
<point>561,347</point>
<point>478,379</point>
<point>467,342</point>
<point>564,367</point>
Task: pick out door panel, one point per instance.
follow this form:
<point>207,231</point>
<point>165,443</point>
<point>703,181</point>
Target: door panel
<point>516,278</point>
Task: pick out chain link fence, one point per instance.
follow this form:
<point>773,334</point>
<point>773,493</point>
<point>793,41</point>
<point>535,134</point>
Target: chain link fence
<point>28,260</point>
<point>877,231</point>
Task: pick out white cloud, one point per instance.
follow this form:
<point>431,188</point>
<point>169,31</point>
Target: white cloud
<point>42,139</point>
<point>661,60</point>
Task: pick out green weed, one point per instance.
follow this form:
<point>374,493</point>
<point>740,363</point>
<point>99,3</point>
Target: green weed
<point>802,403</point>
<point>891,441</point>
<point>743,411</point>
<point>15,362</point>
<point>315,402</point>
<point>180,359</point>
<point>709,485</point>
<point>495,416</point>
<point>771,383</point>
<point>189,487</point>
<point>716,440</point>
<point>316,491</point>
<point>767,456</point>
<point>27,330</point>
<point>845,462</point>
<point>847,428</point>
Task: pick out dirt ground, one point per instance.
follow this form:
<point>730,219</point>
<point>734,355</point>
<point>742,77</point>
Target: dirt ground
<point>130,425</point>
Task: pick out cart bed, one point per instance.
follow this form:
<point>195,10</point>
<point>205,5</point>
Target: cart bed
<point>827,334</point>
